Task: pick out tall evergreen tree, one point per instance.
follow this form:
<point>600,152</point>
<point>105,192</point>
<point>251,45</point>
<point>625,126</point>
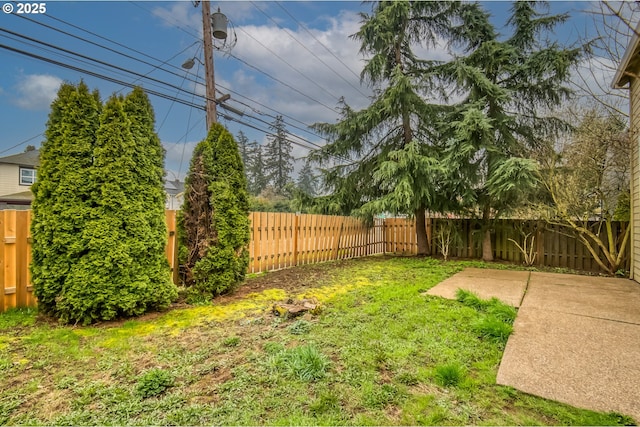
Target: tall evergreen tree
<point>278,160</point>
<point>307,181</point>
<point>507,84</point>
<point>244,149</point>
<point>256,176</point>
<point>215,224</point>
<point>391,146</point>
<point>63,198</point>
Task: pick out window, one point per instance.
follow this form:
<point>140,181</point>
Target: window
<point>27,176</point>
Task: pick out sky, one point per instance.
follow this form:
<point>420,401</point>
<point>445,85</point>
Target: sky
<point>287,58</point>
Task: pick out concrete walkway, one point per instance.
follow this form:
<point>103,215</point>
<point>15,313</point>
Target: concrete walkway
<point>576,339</point>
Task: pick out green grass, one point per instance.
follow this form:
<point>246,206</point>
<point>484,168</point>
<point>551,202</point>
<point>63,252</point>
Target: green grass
<point>380,353</point>
<point>450,374</point>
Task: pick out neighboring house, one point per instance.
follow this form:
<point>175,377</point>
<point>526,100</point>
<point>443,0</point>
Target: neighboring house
<point>628,75</point>
<point>175,192</point>
<point>17,173</point>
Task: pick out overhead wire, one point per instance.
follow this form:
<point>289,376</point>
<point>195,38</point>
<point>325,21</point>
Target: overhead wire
<point>288,64</point>
<point>280,81</point>
<point>151,92</point>
<point>304,27</point>
<point>97,75</point>
<point>309,50</point>
<point>243,61</point>
<point>21,143</point>
<point>155,93</point>
<point>155,66</point>
<point>98,61</point>
<point>163,63</point>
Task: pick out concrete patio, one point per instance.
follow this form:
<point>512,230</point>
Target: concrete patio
<point>576,339</point>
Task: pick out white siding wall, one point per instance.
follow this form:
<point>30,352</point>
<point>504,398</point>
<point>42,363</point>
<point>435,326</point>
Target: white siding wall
<point>635,178</point>
<point>9,180</point>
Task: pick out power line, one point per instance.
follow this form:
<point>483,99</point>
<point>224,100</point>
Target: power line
<point>174,23</point>
<point>98,75</point>
<point>316,39</point>
<point>309,50</point>
<point>22,36</point>
<point>21,143</point>
<point>179,88</point>
<point>289,65</point>
<point>167,62</point>
<point>281,82</point>
<point>151,92</point>
<point>173,98</point>
<point>155,66</point>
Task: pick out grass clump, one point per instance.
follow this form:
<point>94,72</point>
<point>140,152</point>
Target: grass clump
<point>491,327</point>
<point>502,312</point>
<point>153,383</point>
<point>450,374</point>
<point>231,342</point>
<point>325,403</point>
<point>299,327</point>
<point>497,317</point>
<point>305,363</point>
<point>379,396</point>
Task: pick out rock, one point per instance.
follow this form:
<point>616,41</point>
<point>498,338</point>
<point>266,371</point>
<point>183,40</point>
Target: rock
<point>295,308</point>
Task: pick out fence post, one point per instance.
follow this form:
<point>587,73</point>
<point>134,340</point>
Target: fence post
<point>21,259</point>
<point>540,243</point>
<point>2,261</point>
<point>336,247</point>
<point>296,222</point>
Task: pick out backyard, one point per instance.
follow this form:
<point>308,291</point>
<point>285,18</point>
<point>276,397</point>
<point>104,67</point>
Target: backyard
<point>379,352</point>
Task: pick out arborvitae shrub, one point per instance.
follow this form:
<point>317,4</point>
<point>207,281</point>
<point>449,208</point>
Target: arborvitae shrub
<point>63,198</point>
<point>108,245</point>
<point>214,224</point>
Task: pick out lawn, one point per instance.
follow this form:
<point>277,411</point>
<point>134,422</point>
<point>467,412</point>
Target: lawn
<point>378,353</point>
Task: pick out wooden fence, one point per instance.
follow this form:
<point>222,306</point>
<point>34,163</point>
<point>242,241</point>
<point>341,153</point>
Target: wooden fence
<point>281,240</point>
<point>553,246</point>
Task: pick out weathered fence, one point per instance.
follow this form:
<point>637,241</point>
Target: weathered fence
<point>281,240</point>
<point>553,244</point>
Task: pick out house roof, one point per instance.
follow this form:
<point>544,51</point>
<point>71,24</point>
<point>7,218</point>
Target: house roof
<point>29,158</point>
<point>630,62</point>
<point>23,196</point>
<point>174,187</point>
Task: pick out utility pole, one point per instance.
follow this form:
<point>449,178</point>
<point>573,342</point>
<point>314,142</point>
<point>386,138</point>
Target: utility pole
<point>208,64</point>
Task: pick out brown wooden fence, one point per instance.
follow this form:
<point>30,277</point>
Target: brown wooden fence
<point>281,240</point>
<point>553,244</point>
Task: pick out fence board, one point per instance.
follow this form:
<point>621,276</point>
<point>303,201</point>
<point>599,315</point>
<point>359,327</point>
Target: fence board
<point>3,305</point>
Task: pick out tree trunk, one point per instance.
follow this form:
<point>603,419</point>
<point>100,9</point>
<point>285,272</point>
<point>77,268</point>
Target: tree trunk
<point>421,233</point>
<point>487,252</point>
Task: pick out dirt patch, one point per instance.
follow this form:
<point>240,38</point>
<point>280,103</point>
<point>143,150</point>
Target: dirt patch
<point>291,280</point>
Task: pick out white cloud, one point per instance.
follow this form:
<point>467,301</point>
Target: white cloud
<point>37,91</point>
<point>316,83</point>
<point>181,14</point>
